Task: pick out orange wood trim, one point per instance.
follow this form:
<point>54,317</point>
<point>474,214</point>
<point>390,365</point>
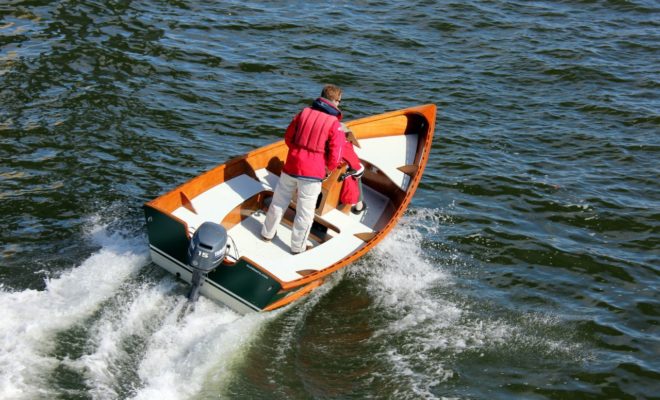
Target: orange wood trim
<point>375,178</point>
<point>304,272</point>
<point>392,123</point>
<point>351,138</point>
<point>272,157</point>
<point>386,126</point>
<point>330,190</point>
<point>295,296</point>
<point>185,202</point>
<point>409,169</point>
<point>365,236</point>
<point>244,210</point>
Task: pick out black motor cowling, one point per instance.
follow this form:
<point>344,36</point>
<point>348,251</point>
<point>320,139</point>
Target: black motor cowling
<point>206,251</point>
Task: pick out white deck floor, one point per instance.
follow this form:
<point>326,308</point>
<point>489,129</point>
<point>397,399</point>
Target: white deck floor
<point>387,154</point>
<point>275,256</point>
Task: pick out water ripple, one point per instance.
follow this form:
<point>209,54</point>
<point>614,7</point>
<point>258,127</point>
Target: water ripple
<point>536,218</point>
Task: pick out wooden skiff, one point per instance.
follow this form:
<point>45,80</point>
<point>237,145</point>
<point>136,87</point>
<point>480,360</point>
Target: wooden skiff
<point>259,276</point>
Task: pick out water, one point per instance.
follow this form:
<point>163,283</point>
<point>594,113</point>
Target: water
<point>526,267</point>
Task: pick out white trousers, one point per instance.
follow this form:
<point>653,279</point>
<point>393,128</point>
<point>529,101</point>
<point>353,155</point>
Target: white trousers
<point>308,192</point>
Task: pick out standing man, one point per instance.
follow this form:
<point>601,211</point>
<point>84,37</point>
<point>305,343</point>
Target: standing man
<point>315,140</point>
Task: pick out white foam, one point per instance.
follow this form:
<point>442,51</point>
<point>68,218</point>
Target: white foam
<point>30,319</point>
<point>409,295</point>
<point>181,357</point>
<point>186,355</point>
<point>405,291</point>
<point>180,354</point>
<point>119,323</point>
<point>196,354</point>
<point>403,284</point>
<point>401,290</point>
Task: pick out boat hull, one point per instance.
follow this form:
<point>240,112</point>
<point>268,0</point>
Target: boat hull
<point>265,276</point>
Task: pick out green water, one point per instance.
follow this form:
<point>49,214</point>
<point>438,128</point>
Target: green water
<point>526,267</point>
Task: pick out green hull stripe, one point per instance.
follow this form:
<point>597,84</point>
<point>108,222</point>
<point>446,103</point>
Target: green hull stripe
<point>212,283</point>
<point>242,281</point>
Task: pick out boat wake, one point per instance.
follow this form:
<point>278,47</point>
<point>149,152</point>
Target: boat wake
<point>32,319</point>
<point>113,327</point>
<point>108,329</point>
<point>429,326</point>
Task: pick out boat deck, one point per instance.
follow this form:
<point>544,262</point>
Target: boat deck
<point>394,148</point>
<point>274,256</point>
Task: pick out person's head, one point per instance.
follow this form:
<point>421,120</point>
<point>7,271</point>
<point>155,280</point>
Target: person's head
<point>332,93</point>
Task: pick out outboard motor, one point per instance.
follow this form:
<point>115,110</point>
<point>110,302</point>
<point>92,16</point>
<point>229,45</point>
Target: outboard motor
<point>206,251</point>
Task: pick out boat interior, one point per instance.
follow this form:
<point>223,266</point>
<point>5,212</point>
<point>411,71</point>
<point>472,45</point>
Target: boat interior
<point>240,199</point>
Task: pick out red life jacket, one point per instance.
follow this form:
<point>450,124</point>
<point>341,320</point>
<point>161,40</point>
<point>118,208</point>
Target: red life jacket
<point>315,142</point>
<point>313,129</point>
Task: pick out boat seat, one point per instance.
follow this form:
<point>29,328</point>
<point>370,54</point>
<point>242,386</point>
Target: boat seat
<point>267,178</point>
<point>377,151</point>
<point>345,237</point>
<point>215,203</point>
<point>329,219</point>
<point>275,257</point>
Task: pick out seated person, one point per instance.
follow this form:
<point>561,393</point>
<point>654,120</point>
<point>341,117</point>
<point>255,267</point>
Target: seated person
<point>353,175</point>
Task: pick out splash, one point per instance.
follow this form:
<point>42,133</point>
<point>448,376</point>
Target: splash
<point>185,356</point>
<point>116,336</point>
<point>427,323</point>
<point>31,319</point>
<point>137,341</point>
<point>403,295</point>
